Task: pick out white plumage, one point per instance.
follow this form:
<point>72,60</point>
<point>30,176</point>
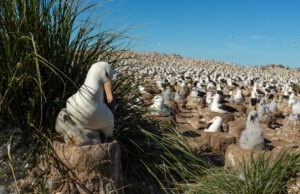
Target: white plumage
<point>208,98</point>
<point>159,107</point>
<point>194,92</point>
<point>86,106</point>
<point>216,106</point>
<point>238,97</point>
<point>216,124</point>
<point>296,107</point>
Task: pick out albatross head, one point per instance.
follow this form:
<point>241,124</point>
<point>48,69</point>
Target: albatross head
<point>252,119</point>
<point>216,124</point>
<point>101,73</point>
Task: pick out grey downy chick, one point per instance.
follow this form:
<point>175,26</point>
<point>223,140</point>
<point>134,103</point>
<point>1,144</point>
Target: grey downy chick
<point>253,136</point>
<point>74,134</point>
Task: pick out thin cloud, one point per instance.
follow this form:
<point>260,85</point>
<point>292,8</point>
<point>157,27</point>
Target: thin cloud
<point>256,37</point>
<point>236,46</point>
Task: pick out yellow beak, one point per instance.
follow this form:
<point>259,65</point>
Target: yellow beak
<point>211,121</point>
<point>107,88</point>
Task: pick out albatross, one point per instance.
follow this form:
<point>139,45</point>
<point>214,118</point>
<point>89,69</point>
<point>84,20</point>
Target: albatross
<point>216,106</point>
<point>239,97</point>
<point>159,107</point>
<point>87,108</point>
<point>216,124</point>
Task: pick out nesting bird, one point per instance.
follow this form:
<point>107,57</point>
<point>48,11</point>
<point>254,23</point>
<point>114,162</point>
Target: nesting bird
<point>159,106</point>
<point>239,97</point>
<point>272,106</point>
<point>178,96</point>
<point>216,124</point>
<point>218,107</point>
<point>86,110</point>
<point>209,98</point>
<point>167,94</point>
<point>296,107</point>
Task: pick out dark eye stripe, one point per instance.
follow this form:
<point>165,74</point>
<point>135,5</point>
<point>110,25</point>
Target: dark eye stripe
<point>106,74</point>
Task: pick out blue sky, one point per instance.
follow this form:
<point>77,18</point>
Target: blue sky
<point>245,32</point>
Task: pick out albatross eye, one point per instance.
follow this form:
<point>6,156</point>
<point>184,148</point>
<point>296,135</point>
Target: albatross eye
<point>106,74</point>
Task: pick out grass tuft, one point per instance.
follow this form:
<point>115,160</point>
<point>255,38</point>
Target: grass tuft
<point>260,175</point>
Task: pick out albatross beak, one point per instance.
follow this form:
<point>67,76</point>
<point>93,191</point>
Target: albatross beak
<point>208,122</point>
<point>107,88</point>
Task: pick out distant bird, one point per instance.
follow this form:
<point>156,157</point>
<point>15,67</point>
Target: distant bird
<point>293,117</point>
<point>183,86</point>
<point>255,94</point>
<point>292,99</point>
<point>216,106</point>
<point>296,107</point>
<point>239,97</point>
<point>253,136</point>
<point>178,96</point>
<point>216,124</point>
<point>159,107</point>
<point>142,90</point>
<point>231,98</point>
<point>167,94</point>
<point>194,92</point>
<point>272,106</point>
<point>263,109</point>
<point>209,98</point>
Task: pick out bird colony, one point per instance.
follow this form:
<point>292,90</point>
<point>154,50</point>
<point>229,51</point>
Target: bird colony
<point>212,103</point>
<point>218,103</point>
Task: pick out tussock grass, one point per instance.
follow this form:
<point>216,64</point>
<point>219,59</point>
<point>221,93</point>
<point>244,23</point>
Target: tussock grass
<point>260,175</point>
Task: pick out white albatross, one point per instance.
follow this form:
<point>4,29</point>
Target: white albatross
<point>216,106</point>
<point>296,107</point>
<point>159,107</point>
<point>87,108</point>
<point>239,97</point>
<point>216,124</point>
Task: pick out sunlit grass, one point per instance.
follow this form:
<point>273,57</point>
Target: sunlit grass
<point>260,175</point>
